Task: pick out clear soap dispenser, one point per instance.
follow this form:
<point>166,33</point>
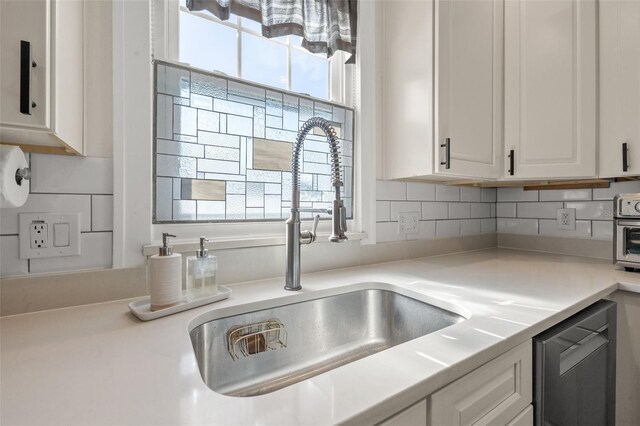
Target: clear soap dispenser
<point>201,274</point>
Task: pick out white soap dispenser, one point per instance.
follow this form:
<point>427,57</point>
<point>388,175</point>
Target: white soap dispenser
<point>201,274</point>
<point>165,276</point>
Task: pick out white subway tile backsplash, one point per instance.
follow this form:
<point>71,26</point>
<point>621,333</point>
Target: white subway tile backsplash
<point>517,226</point>
<point>404,207</point>
<point>550,227</point>
<point>480,210</point>
<point>434,210</point>
<point>459,211</point>
<point>10,262</point>
<point>447,193</point>
<point>390,190</point>
<point>602,230</point>
<point>447,228</point>
<point>48,203</point>
<point>538,210</point>
<point>493,210</point>
<point>489,195</point>
<point>469,193</point>
<point>594,210</point>
<point>516,194</point>
<point>614,189</point>
<point>101,213</point>
<point>470,227</point>
<point>60,174</point>
<point>383,211</point>
<point>565,194</point>
<point>388,231</point>
<point>96,252</point>
<point>487,226</point>
<point>421,191</point>
<point>506,209</point>
<point>426,231</point>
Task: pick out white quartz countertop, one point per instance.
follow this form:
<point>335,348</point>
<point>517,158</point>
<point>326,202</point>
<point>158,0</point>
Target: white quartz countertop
<point>97,364</point>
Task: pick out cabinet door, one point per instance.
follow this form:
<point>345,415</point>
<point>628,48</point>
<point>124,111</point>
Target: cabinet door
<point>469,62</point>
<point>619,87</point>
<point>28,21</point>
<point>550,88</point>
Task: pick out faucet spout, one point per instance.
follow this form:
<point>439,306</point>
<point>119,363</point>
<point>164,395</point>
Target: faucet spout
<point>294,237</point>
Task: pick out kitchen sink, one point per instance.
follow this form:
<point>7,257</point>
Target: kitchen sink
<point>259,352</point>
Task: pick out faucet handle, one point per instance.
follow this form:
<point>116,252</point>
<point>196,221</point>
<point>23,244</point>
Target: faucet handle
<point>307,237</point>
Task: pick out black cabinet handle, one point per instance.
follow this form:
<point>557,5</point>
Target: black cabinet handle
<point>512,157</point>
<point>447,153</point>
<point>26,63</point>
<point>625,157</point>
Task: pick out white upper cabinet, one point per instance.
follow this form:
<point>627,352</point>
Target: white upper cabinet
<point>468,56</point>
<point>464,66</point>
<point>42,73</point>
<point>550,89</point>
<point>619,88</point>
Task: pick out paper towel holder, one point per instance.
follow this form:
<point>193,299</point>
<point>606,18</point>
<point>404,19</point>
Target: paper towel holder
<point>23,174</point>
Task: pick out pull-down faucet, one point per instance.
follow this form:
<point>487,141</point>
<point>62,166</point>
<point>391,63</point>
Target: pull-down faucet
<point>294,237</point>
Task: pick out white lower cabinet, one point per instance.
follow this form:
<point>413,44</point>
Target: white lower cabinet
<point>497,393</point>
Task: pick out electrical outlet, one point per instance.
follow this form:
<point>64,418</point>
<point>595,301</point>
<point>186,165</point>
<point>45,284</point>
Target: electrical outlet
<point>408,223</point>
<point>49,235</point>
<point>39,233</point>
<point>566,219</point>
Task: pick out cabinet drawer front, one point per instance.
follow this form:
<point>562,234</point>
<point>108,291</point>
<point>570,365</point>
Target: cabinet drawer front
<point>492,394</point>
<point>415,415</point>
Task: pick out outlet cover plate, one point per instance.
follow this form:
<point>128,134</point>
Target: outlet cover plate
<point>566,219</point>
<point>408,223</point>
<point>27,224</point>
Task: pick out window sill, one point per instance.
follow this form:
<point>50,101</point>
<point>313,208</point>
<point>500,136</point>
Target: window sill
<point>237,243</point>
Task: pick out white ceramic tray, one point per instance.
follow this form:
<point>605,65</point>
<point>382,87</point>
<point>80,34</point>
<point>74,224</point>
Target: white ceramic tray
<point>142,308</point>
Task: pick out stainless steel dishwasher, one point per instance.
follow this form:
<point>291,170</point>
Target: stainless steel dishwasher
<point>575,369</point>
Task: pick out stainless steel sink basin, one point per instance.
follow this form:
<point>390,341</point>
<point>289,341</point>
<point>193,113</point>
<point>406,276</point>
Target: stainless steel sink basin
<point>319,334</point>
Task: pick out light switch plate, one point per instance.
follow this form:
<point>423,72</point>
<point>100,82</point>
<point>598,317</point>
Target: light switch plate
<point>59,235</point>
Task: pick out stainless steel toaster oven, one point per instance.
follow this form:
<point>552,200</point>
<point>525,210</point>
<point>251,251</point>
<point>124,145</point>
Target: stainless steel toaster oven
<point>626,232</point>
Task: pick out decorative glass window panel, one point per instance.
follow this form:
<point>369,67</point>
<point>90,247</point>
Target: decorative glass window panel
<point>222,149</point>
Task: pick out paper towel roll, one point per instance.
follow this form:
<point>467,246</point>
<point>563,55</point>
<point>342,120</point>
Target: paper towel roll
<point>12,194</point>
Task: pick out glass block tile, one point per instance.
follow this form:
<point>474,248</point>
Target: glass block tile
<point>184,210</point>
<point>315,157</point>
<point>201,175</point>
<point>328,196</point>
<point>286,187</point>
<point>177,183</point>
<point>249,153</point>
<point>312,145</point>
<point>235,207</point>
<point>346,147</point>
<point>290,113</point>
<point>220,153</point>
<point>275,122</point>
<point>272,188</point>
<point>246,90</point>
<point>185,120</point>
<point>243,156</point>
<point>306,109</point>
<point>281,135</point>
<point>211,210</point>
<point>248,101</point>
<point>242,126</point>
<point>236,188</point>
<point>181,101</point>
<point>338,115</point>
<point>218,166</point>
<point>311,196</point>
<point>272,207</point>
<point>164,117</point>
<point>274,103</point>
<point>179,148</point>
<point>220,139</point>
<point>185,138</point>
<point>174,166</point>
<point>264,176</point>
<point>258,122</point>
<point>208,85</point>
<point>255,194</point>
<point>233,108</point>
<point>346,160</point>
<point>255,213</point>
<point>164,198</point>
<point>202,102</point>
<point>322,169</point>
<point>306,182</point>
<point>209,121</point>
<point>222,176</point>
<point>324,183</point>
<point>173,81</point>
<point>223,123</point>
<point>348,126</point>
<point>320,109</point>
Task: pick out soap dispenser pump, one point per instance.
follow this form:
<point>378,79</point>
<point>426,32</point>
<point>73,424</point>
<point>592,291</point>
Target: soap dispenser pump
<point>201,273</point>
<point>165,276</point>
